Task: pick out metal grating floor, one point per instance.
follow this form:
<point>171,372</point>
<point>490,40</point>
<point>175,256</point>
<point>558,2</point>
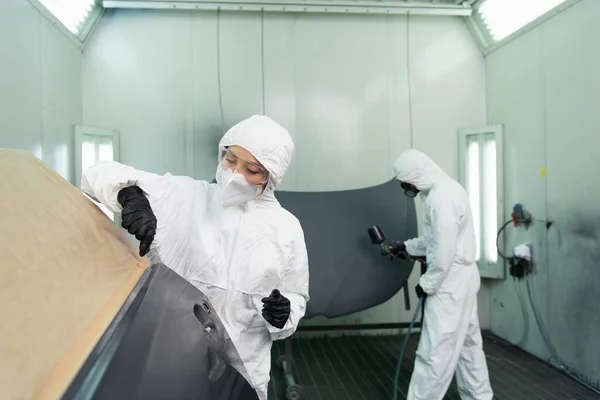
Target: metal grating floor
<point>363,367</point>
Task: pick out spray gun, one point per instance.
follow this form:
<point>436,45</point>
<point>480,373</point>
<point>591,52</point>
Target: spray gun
<point>393,249</point>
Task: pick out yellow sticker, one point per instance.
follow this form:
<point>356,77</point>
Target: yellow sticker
<point>543,173</point>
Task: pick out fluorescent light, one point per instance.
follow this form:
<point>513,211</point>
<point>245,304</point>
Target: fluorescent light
<point>503,17</point>
<point>95,148</point>
<point>473,190</point>
<point>490,198</point>
<point>73,14</point>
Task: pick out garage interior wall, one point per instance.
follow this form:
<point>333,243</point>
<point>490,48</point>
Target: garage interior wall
<point>40,86</point>
<point>172,82</point>
<point>544,86</point>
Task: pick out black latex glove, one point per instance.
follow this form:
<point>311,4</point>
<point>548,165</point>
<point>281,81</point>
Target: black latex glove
<point>420,291</point>
<point>399,250</point>
<point>276,309</point>
<point>137,216</point>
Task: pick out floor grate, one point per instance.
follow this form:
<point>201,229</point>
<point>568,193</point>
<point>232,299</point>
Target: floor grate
<point>363,367</point>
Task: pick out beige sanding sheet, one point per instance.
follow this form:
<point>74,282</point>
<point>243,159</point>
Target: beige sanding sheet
<point>65,269</point>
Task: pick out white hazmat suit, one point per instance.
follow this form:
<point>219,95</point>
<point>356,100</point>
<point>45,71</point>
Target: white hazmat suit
<point>236,255</point>
<point>450,335</point>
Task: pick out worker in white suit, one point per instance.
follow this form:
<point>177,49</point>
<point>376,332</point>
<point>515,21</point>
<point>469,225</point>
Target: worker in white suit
<point>450,336</point>
<point>232,239</point>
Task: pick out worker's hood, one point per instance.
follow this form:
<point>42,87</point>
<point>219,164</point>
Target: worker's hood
<point>266,140</point>
<point>416,168</point>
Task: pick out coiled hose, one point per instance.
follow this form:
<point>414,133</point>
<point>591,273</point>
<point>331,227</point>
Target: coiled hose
<point>401,355</point>
<point>549,347</point>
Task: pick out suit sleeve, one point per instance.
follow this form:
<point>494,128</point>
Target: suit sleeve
<point>442,250</point>
<point>416,246</point>
<point>178,202</point>
<point>103,181</point>
<point>295,288</point>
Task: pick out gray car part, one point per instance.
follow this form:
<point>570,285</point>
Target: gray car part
<point>347,273</point>
<point>166,342</point>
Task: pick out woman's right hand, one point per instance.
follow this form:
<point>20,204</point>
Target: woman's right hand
<point>137,216</point>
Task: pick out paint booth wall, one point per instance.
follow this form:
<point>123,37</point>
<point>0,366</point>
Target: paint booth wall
<point>40,86</point>
<point>348,88</point>
<point>544,87</point>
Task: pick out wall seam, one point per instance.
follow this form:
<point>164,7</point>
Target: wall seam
<point>262,58</point>
<point>410,111</point>
<point>42,90</point>
<point>191,126</point>
<point>543,83</point>
<point>219,69</point>
<point>389,89</point>
<point>394,299</point>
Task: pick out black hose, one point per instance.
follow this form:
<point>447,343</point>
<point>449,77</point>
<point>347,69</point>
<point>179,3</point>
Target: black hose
<point>551,350</point>
<point>498,239</point>
<point>546,340</point>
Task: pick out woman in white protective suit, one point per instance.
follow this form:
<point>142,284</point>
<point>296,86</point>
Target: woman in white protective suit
<point>232,239</point>
<point>450,336</point>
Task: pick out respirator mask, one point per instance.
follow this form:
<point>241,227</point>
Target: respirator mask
<point>409,190</point>
<point>236,190</point>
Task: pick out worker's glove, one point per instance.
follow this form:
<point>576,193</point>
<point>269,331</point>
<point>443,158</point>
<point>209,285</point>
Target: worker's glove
<point>399,250</point>
<point>137,216</point>
<point>276,309</point>
<point>420,291</point>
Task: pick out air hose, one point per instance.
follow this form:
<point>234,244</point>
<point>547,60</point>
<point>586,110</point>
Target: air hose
<point>395,250</point>
<point>549,347</point>
<point>554,356</point>
<point>403,348</point>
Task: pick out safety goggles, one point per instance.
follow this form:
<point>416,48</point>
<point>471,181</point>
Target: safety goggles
<point>254,173</point>
<point>409,190</point>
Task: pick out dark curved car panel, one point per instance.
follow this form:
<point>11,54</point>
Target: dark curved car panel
<point>166,342</point>
<point>347,273</point>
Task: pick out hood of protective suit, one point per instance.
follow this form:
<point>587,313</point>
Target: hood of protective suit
<point>268,141</point>
<point>416,168</point>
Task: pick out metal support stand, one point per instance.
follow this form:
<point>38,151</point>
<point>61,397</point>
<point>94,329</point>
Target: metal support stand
<point>293,391</point>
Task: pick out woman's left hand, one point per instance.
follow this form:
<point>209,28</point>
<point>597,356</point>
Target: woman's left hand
<point>276,309</point>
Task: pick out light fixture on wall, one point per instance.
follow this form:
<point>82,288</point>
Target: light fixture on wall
<point>480,164</point>
<point>93,145</point>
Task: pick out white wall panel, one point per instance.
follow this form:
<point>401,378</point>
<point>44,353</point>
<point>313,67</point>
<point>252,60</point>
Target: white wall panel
<point>342,105</point>
<point>399,113</point>
<point>279,80</point>
<point>241,65</point>
<point>137,70</point>
<point>208,126</point>
<point>20,77</point>
<point>40,86</point>
<point>572,83</point>
<point>447,86</point>
<point>61,100</point>
<point>515,99</point>
<point>544,87</point>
